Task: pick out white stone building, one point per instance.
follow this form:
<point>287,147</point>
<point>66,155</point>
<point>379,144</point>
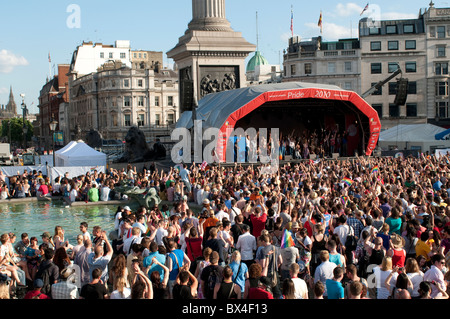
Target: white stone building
<point>386,46</point>
<point>117,94</point>
<point>335,63</point>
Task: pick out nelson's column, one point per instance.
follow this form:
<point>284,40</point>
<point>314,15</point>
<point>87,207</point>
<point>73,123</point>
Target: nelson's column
<point>210,56</point>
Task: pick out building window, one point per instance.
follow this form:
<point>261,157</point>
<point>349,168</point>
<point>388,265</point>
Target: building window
<point>375,68</point>
<point>378,91</point>
<point>135,55</point>
<point>412,87</point>
<point>374,30</point>
<point>114,119</point>
<point>170,100</point>
<point>102,55</point>
<point>348,86</point>
<point>411,110</point>
<point>410,44</point>
<point>127,101</point>
<point>140,83</point>
<point>348,66</point>
<point>331,46</point>
<point>141,121</point>
<point>375,46</point>
<point>442,109</point>
<point>331,67</point>
<point>441,88</point>
<point>127,118</point>
<point>394,110</point>
<point>410,67</point>
<point>123,55</point>
<point>440,32</point>
<point>432,32</point>
<point>393,88</point>
<point>348,45</point>
<point>408,28</point>
<point>157,119</point>
<point>140,101</point>
<point>440,51</point>
<point>145,55</point>
<point>140,55</point>
<point>111,55</point>
<point>308,68</point>
<point>392,67</point>
<point>392,45</point>
<point>391,29</point>
<point>293,69</point>
<point>379,109</point>
<point>113,83</point>
<point>441,68</point>
<point>170,119</point>
<point>126,83</point>
<point>156,100</point>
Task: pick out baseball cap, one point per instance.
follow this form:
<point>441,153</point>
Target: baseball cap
<point>38,283</point>
<point>46,235</point>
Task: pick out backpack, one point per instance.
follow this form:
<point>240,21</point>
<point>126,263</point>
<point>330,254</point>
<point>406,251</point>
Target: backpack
<point>213,278</point>
<point>351,241</point>
<point>47,287</point>
<point>363,263</point>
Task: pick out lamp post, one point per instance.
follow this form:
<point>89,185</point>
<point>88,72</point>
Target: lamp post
<point>24,126</point>
<point>52,125</point>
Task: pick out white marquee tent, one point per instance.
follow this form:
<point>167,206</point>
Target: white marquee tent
<point>79,154</point>
<point>420,137</point>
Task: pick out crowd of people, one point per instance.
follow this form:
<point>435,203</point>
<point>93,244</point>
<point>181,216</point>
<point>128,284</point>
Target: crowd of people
<point>360,228</point>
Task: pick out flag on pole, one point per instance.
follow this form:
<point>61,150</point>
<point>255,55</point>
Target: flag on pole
<point>292,21</point>
<point>49,58</point>
<point>320,23</point>
<point>375,169</point>
<point>287,240</point>
<point>365,9</point>
<point>203,165</point>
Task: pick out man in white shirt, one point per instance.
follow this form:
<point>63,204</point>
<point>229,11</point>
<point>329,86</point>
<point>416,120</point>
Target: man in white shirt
<point>141,223</point>
<point>221,214</point>
<point>343,230</point>
<point>325,270</point>
<point>246,245</point>
<point>234,211</point>
<point>104,193</point>
<point>301,289</point>
<point>161,232</point>
<point>435,274</point>
<point>134,239</point>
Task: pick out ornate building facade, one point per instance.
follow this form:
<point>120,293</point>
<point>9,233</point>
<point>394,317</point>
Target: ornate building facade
<point>117,97</point>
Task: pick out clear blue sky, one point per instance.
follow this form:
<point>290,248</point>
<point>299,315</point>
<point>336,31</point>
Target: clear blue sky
<point>30,29</point>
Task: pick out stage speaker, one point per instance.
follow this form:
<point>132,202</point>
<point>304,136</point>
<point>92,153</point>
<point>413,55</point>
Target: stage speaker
<point>312,156</point>
<point>402,92</point>
<point>288,158</point>
<point>335,155</point>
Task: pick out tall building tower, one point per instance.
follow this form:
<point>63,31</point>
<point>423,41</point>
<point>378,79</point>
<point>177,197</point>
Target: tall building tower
<point>210,56</point>
<point>11,107</point>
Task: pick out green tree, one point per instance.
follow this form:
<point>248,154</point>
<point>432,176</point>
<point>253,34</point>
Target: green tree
<point>12,129</point>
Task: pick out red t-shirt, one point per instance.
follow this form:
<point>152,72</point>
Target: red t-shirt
<point>259,293</point>
<point>43,189</point>
<point>34,293</point>
<point>194,247</point>
<point>259,223</point>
